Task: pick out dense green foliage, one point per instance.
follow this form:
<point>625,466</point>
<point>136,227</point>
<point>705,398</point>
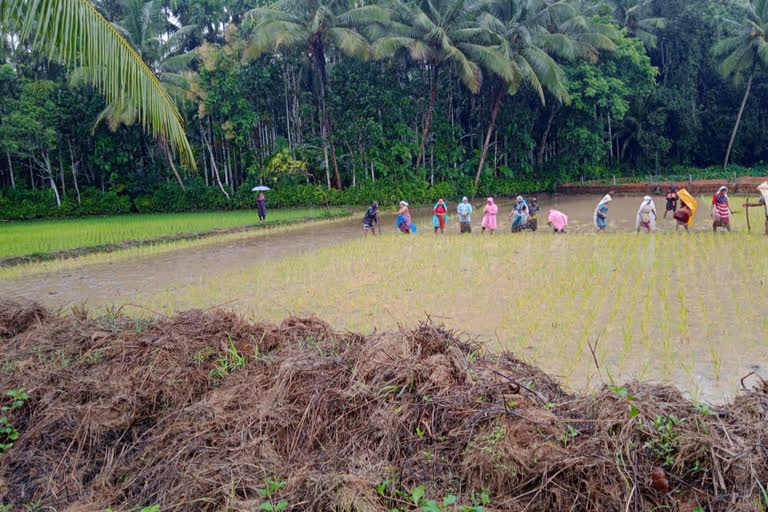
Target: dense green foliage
<point>25,238</point>
<point>629,87</point>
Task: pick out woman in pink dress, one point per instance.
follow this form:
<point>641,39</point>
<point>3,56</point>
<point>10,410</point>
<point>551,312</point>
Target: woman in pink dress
<point>558,220</point>
<point>489,216</point>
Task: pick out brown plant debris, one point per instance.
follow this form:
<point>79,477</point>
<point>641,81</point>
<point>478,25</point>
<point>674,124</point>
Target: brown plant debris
<point>195,411</point>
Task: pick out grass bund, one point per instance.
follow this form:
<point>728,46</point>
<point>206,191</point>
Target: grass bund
<point>33,268</point>
<point>46,236</point>
<point>683,308</point>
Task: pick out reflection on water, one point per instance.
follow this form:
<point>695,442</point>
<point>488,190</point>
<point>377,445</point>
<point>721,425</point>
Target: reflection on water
<point>638,299</point>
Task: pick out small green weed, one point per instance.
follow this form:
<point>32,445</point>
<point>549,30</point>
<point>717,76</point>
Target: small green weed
<point>269,491</point>
<point>153,508</point>
<point>231,361</point>
<point>627,397</point>
<point>8,434</point>
<point>567,437</point>
<point>664,442</point>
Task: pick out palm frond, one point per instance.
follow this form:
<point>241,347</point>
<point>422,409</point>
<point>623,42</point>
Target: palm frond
<point>549,73</point>
<point>362,16</point>
<point>273,36</point>
<point>468,71</point>
<point>387,47</point>
<point>177,63</point>
<point>421,51</point>
<point>77,34</point>
<point>263,14</point>
<point>350,42</point>
<point>736,63</point>
<point>490,59</point>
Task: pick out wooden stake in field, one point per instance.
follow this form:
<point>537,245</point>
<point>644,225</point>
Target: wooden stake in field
<point>749,228</point>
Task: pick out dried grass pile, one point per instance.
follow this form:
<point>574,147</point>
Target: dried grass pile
<point>124,414</point>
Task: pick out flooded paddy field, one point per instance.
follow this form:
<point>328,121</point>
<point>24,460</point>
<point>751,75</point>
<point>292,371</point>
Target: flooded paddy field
<point>689,309</point>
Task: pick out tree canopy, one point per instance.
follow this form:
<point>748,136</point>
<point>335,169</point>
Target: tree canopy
<point>468,92</point>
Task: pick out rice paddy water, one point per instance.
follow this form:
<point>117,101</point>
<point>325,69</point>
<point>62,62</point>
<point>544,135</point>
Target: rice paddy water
<point>685,308</point>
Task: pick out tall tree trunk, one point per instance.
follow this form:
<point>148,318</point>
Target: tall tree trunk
<point>610,137</point>
<point>738,119</point>
<point>491,126</point>
<point>74,169</point>
<point>61,175</point>
<point>545,135</point>
<point>214,167</point>
<point>428,121</point>
<point>10,169</point>
<point>46,164</point>
<point>287,110</point>
<point>324,136</point>
<point>164,143</point>
<point>320,60</point>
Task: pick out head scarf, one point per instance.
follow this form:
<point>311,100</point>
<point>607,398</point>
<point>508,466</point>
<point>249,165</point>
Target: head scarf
<point>763,188</point>
<point>604,200</point>
<point>464,199</point>
<point>721,189</point>
<point>673,188</point>
<point>519,199</point>
<point>403,203</point>
<point>491,206</point>
<point>375,204</point>
<point>490,200</point>
<point>557,219</point>
<point>647,201</point>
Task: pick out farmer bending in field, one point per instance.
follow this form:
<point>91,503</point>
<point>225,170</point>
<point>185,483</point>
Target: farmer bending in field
<point>519,215</point>
<point>601,212</point>
<point>682,215</point>
<point>557,220</point>
<point>403,216</point>
<point>465,211</point>
<point>646,215</point>
<point>671,201</point>
<point>763,188</point>
<point>371,218</point>
<point>721,210</point>
<point>533,210</point>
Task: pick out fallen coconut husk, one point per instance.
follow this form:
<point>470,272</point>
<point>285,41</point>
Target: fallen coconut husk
<point>197,411</point>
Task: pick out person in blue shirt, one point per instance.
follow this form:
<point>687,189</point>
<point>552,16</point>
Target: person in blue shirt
<point>465,215</point>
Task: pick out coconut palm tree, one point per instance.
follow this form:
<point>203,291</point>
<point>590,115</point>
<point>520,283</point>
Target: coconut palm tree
<point>444,34</point>
<point>744,51</point>
<point>314,26</point>
<point>634,16</point>
<point>148,31</point>
<point>531,34</point>
<point>75,33</point>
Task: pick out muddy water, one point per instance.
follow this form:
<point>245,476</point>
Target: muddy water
<point>118,280</point>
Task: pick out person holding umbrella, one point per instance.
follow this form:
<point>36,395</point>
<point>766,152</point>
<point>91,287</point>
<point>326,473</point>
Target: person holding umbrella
<point>261,202</point>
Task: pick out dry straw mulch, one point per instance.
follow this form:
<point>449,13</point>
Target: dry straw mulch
<point>123,413</point>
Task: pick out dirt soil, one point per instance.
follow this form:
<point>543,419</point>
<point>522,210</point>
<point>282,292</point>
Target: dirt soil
<point>127,413</point>
<point>743,185</point>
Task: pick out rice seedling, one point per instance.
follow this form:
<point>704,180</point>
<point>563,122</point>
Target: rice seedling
<point>57,265</point>
<point>543,297</point>
<point>32,237</point>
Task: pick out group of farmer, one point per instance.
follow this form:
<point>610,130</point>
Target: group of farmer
<point>525,216</point>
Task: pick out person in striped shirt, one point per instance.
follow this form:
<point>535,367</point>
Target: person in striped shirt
<point>721,210</point>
